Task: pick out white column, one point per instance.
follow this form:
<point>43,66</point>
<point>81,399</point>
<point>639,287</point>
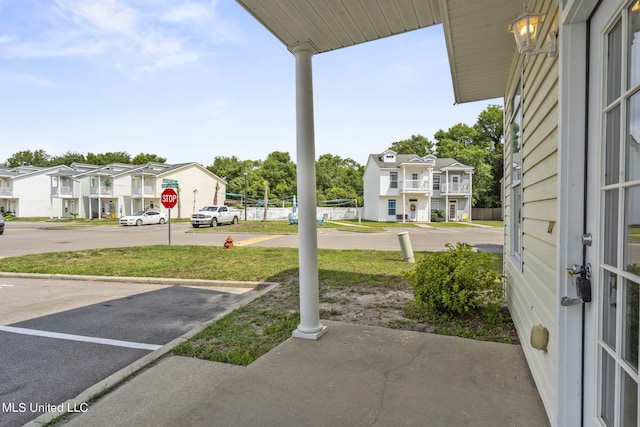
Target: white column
<point>470,197</point>
<point>310,326</point>
<point>99,196</point>
<point>446,196</point>
<point>404,200</point>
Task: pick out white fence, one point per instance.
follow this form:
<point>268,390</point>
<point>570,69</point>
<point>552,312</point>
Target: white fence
<point>328,213</point>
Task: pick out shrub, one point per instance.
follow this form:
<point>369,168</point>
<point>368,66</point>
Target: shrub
<point>437,215</point>
<point>458,280</point>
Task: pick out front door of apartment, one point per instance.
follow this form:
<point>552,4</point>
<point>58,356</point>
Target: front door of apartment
<point>612,321</point>
<point>453,210</point>
<point>413,209</point>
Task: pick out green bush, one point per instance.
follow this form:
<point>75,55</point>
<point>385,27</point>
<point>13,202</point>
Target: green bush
<point>436,215</point>
<point>456,281</point>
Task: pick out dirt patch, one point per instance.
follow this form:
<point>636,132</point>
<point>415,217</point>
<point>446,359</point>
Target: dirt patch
<point>388,308</point>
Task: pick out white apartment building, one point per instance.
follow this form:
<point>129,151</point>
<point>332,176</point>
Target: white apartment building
<point>406,187</point>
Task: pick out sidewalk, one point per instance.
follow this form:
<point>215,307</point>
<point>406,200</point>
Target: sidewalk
<point>354,375</point>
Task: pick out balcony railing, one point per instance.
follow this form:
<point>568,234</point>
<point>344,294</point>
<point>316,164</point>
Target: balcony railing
<point>103,190</point>
<point>415,186</point>
<point>6,191</point>
<point>138,191</point>
<point>62,191</point>
<point>463,188</point>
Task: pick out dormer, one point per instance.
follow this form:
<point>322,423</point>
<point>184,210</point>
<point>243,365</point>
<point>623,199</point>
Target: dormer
<point>430,159</point>
<point>388,156</point>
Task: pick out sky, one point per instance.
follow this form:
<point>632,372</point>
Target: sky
<point>190,80</point>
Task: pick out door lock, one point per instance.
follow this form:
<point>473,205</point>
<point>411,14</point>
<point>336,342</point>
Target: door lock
<point>583,285</point>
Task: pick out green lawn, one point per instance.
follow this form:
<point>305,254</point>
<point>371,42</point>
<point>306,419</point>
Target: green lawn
<point>358,286</point>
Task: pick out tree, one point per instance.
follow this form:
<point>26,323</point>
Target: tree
<point>417,144</point>
<point>68,158</point>
<point>338,178</point>
<point>479,146</point>
<point>490,126</point>
<point>38,158</point>
<point>143,159</point>
<point>109,157</point>
<point>461,133</point>
<point>280,171</point>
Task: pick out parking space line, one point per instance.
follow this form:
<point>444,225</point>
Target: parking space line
<point>253,240</point>
<point>82,338</point>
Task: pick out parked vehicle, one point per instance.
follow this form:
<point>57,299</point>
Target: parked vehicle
<point>214,215</point>
<point>1,224</point>
<point>143,218</point>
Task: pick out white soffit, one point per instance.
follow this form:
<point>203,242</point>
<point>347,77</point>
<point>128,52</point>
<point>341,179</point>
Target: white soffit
<point>479,46</point>
<point>334,24</point>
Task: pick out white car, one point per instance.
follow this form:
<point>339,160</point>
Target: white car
<point>143,218</point>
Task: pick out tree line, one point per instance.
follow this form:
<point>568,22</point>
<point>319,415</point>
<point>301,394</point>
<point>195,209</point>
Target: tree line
<point>41,158</point>
<point>339,181</point>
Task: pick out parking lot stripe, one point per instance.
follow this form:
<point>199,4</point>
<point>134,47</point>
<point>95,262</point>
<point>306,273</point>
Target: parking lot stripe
<point>82,338</point>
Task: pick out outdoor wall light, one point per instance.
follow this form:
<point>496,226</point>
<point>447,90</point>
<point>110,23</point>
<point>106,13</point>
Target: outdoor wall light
<point>526,29</point>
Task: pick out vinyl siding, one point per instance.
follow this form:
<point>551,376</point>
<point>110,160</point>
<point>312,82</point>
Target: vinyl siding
<point>371,178</point>
<point>530,284</point>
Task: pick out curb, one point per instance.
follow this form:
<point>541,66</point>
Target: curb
<point>110,383</point>
<point>143,280</point>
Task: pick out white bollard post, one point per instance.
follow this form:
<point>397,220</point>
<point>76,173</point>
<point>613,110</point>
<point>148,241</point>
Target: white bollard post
<point>405,246</point>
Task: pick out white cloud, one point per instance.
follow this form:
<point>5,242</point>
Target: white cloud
<point>134,36</point>
<point>33,80</point>
<point>110,16</point>
<point>189,12</point>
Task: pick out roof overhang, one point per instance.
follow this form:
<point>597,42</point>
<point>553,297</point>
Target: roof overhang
<point>479,46</point>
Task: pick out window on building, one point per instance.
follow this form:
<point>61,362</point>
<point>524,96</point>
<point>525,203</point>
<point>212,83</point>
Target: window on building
<point>515,128</point>
<point>436,182</point>
<point>393,176</point>
<point>391,207</point>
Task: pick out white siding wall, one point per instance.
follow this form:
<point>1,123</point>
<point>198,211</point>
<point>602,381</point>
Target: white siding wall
<point>193,177</point>
<point>371,184</point>
<point>34,195</point>
<point>531,282</point>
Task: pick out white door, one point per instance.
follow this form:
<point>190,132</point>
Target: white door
<point>613,216</point>
<point>453,210</point>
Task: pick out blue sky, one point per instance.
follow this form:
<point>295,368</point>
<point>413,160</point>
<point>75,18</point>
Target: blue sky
<point>190,80</point>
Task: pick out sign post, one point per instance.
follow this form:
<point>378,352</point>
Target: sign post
<point>169,198</point>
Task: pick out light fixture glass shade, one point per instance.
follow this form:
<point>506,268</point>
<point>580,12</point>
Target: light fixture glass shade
<point>526,29</point>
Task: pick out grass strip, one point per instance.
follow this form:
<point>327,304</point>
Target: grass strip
<point>357,286</point>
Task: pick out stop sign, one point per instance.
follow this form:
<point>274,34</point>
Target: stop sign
<point>169,198</point>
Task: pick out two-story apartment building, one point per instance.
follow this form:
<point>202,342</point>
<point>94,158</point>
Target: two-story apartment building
<point>406,187</point>
<point>102,191</point>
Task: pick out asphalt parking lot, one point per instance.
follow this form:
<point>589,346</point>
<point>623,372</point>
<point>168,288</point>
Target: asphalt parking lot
<point>52,352</point>
<point>23,238</point>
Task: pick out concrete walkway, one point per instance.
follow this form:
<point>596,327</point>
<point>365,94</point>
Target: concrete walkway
<point>353,376</point>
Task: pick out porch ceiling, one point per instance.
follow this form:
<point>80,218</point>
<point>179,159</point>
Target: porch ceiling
<point>479,46</point>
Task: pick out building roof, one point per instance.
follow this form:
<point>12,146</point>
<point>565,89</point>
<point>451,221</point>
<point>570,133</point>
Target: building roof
<point>441,164</point>
<point>479,46</point>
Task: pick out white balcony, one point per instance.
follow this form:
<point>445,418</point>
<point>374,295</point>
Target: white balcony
<point>6,191</point>
<point>101,191</point>
<point>146,191</point>
<point>415,186</point>
<point>456,188</point>
<point>63,191</point>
